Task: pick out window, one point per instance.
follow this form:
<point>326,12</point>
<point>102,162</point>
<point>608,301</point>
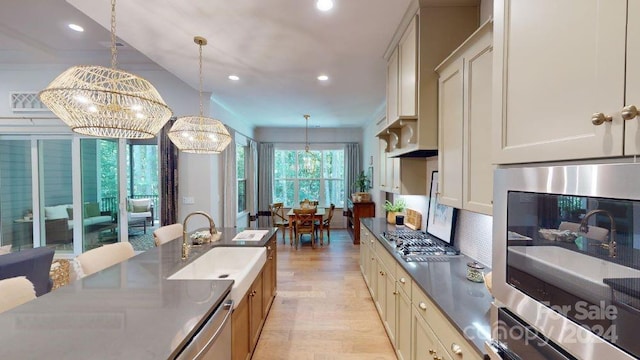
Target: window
<point>242,177</point>
<point>317,175</point>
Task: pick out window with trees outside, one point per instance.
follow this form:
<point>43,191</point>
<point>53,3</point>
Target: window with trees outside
<point>296,178</point>
<point>242,177</point>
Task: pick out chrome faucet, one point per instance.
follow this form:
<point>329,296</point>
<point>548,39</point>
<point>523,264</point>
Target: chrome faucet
<point>185,244</point>
<point>611,246</point>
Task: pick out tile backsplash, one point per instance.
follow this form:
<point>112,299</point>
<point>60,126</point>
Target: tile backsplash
<point>474,236</point>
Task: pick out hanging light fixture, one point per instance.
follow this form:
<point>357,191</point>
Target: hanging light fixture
<point>106,102</point>
<point>199,134</point>
<point>309,159</point>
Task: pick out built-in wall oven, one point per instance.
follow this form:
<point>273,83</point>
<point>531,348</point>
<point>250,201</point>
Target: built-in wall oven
<point>566,257</point>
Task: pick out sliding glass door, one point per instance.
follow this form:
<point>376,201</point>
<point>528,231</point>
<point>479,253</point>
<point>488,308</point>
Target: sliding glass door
<point>16,194</point>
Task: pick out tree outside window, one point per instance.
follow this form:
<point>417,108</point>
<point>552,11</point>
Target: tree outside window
<point>242,177</point>
<point>295,181</point>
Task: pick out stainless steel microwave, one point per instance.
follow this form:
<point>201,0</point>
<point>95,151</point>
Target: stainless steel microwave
<point>566,255</point>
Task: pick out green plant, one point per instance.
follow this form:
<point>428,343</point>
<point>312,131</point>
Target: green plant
<point>398,205</point>
<point>362,182</point>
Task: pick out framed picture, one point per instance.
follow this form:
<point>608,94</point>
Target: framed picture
<point>370,176</point>
<point>441,219</point>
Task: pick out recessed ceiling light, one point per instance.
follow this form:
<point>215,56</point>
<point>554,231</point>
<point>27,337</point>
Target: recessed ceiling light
<point>234,77</point>
<point>323,78</point>
<point>75,27</point>
<point>324,5</point>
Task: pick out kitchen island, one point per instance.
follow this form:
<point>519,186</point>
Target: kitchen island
<point>128,311</point>
<point>464,304</point>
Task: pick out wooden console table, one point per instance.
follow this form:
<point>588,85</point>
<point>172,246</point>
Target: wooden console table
<point>355,211</point>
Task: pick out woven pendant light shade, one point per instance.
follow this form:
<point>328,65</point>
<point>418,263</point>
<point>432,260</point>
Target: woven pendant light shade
<point>199,135</point>
<point>106,102</point>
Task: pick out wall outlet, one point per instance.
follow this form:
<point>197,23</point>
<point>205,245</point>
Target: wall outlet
<point>188,200</point>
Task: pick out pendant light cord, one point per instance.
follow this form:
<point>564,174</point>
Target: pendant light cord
<point>114,51</point>
<point>200,75</point>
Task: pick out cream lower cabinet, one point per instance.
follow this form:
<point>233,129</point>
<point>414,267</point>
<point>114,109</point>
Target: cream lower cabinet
<point>424,343</point>
<point>560,91</point>
<point>464,119</point>
<point>416,328</point>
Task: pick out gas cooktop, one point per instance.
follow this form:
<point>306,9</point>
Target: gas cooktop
<point>413,245</point>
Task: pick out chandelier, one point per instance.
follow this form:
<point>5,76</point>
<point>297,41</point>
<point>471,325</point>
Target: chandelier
<point>309,160</point>
<point>106,102</point>
<point>199,134</point>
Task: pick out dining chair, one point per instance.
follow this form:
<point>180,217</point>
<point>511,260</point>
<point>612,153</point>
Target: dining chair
<point>278,219</point>
<point>326,223</point>
<point>304,224</point>
<point>15,291</point>
<point>102,257</point>
<point>167,233</point>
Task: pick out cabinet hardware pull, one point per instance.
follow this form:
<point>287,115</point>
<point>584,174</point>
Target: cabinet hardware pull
<point>600,118</point>
<point>270,257</point>
<point>431,352</point>
<point>395,293</point>
<point>456,349</point>
<point>403,280</point>
<point>268,247</point>
<point>423,306</point>
<point>435,357</point>
<point>382,273</point>
<point>630,112</point>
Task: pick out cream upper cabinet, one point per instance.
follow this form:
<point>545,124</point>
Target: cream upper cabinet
<point>408,71</point>
<point>417,47</point>
<point>632,126</point>
<point>392,88</point>
<point>464,151</point>
<point>560,75</point>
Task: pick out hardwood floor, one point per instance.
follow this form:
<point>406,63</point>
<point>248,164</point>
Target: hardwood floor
<point>323,309</point>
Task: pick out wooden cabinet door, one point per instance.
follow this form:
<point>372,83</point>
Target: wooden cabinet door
<point>240,348</point>
<point>477,182</point>
<point>255,309</point>
<point>560,62</point>
<point>392,87</point>
<point>450,133</point>
<point>408,70</point>
<point>403,325</point>
<point>632,95</point>
<point>268,279</point>
<point>373,276</point>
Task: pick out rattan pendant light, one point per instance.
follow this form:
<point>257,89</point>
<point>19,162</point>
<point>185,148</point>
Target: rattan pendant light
<point>199,134</point>
<point>106,102</point>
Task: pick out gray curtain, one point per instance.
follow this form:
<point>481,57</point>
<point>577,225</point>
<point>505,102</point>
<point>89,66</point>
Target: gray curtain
<point>168,177</point>
<point>252,178</point>
<point>230,205</point>
<point>351,168</point>
<point>265,181</point>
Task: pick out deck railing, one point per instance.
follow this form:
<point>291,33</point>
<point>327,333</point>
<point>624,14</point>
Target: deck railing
<point>111,203</point>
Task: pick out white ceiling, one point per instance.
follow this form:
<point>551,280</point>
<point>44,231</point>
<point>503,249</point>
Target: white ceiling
<point>277,47</point>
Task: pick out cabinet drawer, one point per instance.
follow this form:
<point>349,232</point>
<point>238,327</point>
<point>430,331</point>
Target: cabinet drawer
<point>452,340</point>
<point>403,280</point>
<point>386,258</point>
<point>421,302</point>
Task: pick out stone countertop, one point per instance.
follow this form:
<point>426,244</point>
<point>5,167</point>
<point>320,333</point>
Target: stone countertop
<point>465,303</point>
<point>127,311</point>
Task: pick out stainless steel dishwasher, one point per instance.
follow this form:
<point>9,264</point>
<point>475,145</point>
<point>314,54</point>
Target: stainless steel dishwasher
<point>213,340</point>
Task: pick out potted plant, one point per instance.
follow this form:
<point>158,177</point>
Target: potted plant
<point>394,209</point>
<point>362,185</point>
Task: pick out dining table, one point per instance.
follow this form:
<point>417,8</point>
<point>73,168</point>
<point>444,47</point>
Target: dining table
<point>318,216</point>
